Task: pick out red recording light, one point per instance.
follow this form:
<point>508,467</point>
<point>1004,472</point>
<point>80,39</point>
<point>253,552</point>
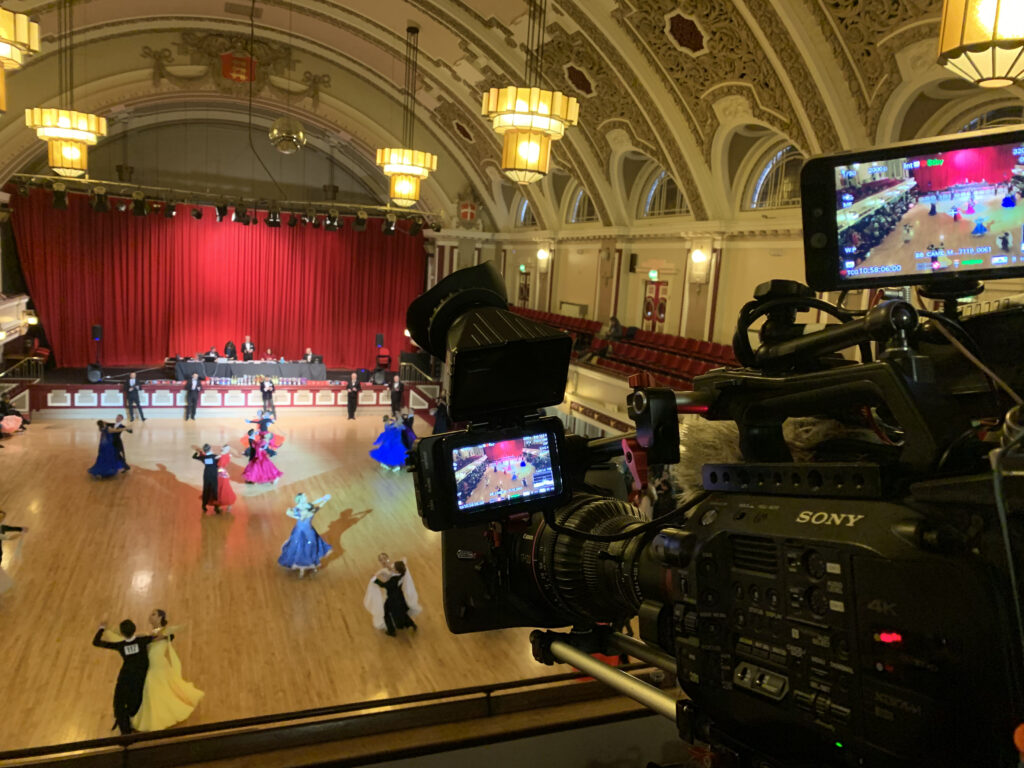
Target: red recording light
<point>889,638</point>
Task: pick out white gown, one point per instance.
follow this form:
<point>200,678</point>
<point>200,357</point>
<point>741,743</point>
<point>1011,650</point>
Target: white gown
<point>375,596</point>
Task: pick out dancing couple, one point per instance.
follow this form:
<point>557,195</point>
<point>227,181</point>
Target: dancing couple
<point>305,548</point>
<point>217,490</point>
<point>391,597</point>
<point>110,455</point>
<point>394,443</point>
<point>150,693</point>
<point>261,447</point>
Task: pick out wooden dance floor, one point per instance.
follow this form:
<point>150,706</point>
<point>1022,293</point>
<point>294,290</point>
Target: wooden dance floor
<point>256,639</point>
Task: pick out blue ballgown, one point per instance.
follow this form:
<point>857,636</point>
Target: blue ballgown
<point>304,548</point>
<point>979,227</point>
<point>108,463</point>
<point>389,451</point>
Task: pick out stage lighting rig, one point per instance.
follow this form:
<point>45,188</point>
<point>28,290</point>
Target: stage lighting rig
<point>331,220</point>
<point>293,220</point>
<point>139,207</point>
<point>416,227</point>
<point>197,213</point>
<point>240,215</point>
<point>359,225</point>
<point>389,223</point>
<point>273,218</point>
<point>98,199</point>
<point>60,196</point>
<point>170,209</point>
<point>222,211</point>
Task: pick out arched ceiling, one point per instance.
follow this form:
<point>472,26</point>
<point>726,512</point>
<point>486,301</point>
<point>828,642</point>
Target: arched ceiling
<point>672,80</point>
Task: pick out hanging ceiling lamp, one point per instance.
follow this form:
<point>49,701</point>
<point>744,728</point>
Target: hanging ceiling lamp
<point>530,118</point>
<point>67,133</point>
<point>983,41</point>
<point>19,37</point>
<point>407,167</point>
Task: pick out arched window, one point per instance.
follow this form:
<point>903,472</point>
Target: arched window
<point>524,215</point>
<point>777,185</point>
<point>662,197</point>
<point>1012,115</point>
<point>582,208</point>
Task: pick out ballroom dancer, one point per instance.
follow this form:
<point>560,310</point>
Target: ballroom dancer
<point>305,548</point>
<point>397,391</point>
<point>353,395</point>
<point>251,437</point>
<point>231,351</point>
<point>116,429</point>
<point>225,493</point>
<point>267,390</point>
<point>441,421</point>
<point>933,211</point>
<point>262,469</point>
<point>167,698</point>
<point>408,435</point>
<point>209,461</point>
<point>979,228</point>
<point>8,533</point>
<point>108,463</point>
<point>132,677</point>
<point>388,449</point>
<point>248,349</point>
<point>193,388</point>
<point>132,388</point>
<point>391,597</point>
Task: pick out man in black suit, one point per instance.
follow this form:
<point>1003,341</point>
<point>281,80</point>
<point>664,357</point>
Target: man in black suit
<point>267,390</point>
<point>248,349</point>
<point>134,653</point>
<point>117,428</point>
<point>132,388</point>
<point>353,395</point>
<point>193,388</point>
<point>309,357</point>
<point>397,391</point>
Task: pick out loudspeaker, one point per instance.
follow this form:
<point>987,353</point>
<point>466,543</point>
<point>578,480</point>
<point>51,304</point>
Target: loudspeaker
<point>632,262</point>
<point>380,340</point>
<point>93,373</point>
<point>380,376</point>
<point>97,332</point>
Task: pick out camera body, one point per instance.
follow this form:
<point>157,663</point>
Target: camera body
<point>858,608</point>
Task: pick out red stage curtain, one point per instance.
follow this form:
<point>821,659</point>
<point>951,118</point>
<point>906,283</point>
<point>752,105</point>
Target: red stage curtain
<point>506,449</point>
<point>162,286</point>
<point>993,164</point>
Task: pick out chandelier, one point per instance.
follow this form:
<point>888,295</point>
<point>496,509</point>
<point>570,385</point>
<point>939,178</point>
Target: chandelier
<point>19,37</point>
<point>529,118</point>
<point>983,41</point>
<point>68,134</point>
<point>405,167</point>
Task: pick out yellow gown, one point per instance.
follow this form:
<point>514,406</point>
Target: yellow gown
<point>167,698</point>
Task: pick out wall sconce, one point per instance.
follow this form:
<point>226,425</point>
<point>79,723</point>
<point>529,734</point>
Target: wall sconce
<point>700,267</point>
<point>543,258</point>
<point>29,317</point>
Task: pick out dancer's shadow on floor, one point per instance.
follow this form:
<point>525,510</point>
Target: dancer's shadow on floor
<point>166,484</point>
<point>335,528</point>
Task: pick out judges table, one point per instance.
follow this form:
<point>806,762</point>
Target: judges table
<point>184,369</point>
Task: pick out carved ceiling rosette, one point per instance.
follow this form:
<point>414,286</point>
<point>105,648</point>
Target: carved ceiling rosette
<point>467,132</point>
<point>866,35</point>
<point>704,50</point>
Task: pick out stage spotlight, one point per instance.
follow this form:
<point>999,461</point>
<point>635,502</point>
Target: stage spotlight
<point>331,222</point>
<point>139,207</point>
<point>170,209</point>
<point>222,211</point>
<point>293,220</point>
<point>273,218</point>
<point>98,199</point>
<point>388,225</point>
<point>416,227</point>
<point>359,225</point>
<point>310,217</point>
<point>23,190</point>
<point>60,196</point>
<point>197,213</point>
<point>240,215</point>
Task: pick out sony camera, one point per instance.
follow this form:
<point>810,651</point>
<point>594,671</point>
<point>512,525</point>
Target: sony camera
<point>853,602</point>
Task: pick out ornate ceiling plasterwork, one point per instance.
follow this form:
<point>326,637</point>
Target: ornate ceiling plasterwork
<point>734,64</point>
<point>865,36</point>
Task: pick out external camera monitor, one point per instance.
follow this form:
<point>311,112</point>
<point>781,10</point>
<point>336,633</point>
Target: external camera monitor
<point>490,475</point>
<point>949,210</point>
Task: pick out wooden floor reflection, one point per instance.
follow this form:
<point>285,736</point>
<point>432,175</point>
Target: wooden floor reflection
<point>256,639</point>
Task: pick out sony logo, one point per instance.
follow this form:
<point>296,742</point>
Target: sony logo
<point>829,518</point>
<point>897,703</point>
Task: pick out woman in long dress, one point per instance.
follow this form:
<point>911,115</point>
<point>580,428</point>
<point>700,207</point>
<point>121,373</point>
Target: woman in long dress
<point>304,549</point>
<point>108,463</point>
<point>262,469</point>
<point>391,597</point>
<point>389,450</point>
<point>167,698</point>
<point>225,493</point>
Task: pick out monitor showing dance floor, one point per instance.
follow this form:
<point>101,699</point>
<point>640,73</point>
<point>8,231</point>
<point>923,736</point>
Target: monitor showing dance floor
<point>503,473</point>
<point>944,213</point>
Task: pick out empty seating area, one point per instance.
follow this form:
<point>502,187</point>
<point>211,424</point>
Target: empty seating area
<point>674,360</point>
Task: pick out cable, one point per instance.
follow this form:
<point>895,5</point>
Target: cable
<point>992,375</point>
<point>996,459</point>
<point>252,59</point>
<point>689,503</point>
